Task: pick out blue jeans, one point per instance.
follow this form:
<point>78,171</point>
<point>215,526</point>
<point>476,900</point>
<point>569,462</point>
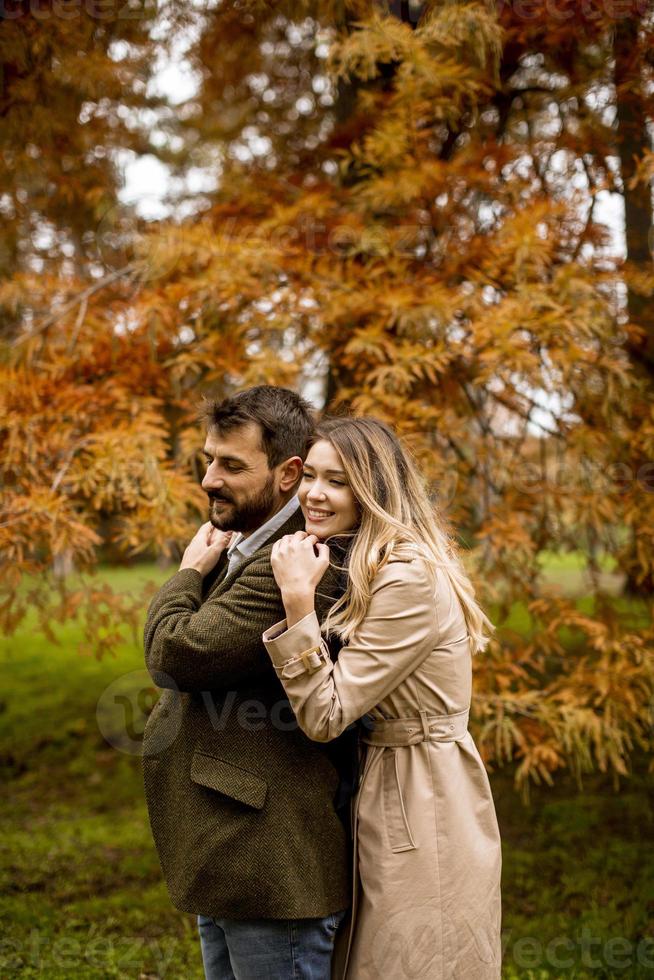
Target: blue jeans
<point>268,949</point>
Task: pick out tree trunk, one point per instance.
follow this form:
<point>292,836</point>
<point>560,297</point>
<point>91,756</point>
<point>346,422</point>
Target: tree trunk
<point>632,136</point>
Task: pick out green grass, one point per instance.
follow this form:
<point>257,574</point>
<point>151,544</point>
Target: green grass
<point>80,885</point>
<point>567,572</point>
<point>578,882</point>
<point>558,561</point>
<point>82,892</point>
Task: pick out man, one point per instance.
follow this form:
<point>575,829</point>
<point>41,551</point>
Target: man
<point>241,802</point>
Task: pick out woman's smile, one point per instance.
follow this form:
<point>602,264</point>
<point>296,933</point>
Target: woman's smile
<point>327,501</point>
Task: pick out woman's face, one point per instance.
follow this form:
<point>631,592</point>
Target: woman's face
<point>327,502</point>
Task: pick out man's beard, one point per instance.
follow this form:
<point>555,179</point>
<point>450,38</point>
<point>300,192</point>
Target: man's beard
<point>247,516</point>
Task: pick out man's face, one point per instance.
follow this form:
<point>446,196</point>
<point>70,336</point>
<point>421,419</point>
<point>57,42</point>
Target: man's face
<point>242,491</point>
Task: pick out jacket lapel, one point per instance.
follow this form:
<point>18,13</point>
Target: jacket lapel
<point>222,578</point>
<point>215,576</point>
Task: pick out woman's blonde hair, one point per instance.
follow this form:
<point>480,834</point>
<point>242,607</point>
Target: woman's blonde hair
<point>396,519</point>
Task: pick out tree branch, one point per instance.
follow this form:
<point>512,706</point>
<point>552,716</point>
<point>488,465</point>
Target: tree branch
<point>81,298</point>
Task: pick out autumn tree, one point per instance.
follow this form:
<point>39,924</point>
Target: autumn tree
<point>403,222</point>
<point>633,60</point>
<point>84,445</point>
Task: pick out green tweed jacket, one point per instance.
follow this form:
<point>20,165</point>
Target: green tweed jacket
<point>241,802</point>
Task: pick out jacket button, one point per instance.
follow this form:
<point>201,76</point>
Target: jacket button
<point>451,728</point>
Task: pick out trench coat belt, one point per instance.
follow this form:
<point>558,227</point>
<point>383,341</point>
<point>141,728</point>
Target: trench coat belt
<point>410,731</point>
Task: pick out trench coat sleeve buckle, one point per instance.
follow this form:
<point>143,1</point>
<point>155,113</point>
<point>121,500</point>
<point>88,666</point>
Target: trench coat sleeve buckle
<point>307,662</point>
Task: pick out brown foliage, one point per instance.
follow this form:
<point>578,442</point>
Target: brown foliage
<point>405,216</point>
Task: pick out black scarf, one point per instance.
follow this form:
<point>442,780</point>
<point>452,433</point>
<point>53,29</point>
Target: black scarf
<point>343,751</point>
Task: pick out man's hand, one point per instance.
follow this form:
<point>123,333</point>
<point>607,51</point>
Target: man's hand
<point>205,549</point>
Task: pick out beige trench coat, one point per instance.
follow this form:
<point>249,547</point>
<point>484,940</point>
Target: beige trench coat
<point>426,902</point>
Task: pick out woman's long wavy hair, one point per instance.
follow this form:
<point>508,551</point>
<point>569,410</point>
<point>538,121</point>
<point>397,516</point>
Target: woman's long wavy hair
<point>396,519</point>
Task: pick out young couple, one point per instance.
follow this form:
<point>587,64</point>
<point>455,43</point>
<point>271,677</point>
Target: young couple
<point>321,622</point>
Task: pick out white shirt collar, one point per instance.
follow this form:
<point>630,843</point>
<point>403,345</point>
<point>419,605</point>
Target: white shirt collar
<point>247,546</point>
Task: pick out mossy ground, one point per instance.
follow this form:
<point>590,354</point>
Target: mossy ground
<point>81,890</point>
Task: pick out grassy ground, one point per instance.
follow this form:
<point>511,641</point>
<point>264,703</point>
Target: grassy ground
<point>80,885</point>
<point>568,574</point>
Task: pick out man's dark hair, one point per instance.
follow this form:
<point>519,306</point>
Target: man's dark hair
<point>286,419</point>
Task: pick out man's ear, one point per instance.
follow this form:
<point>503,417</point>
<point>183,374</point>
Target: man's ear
<point>290,472</point>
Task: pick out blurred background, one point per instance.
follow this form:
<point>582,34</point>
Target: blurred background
<point>436,213</point>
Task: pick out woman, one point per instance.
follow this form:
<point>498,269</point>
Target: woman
<point>427,846</point>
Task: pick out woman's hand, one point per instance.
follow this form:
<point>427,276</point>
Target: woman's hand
<point>205,549</point>
<point>297,570</point>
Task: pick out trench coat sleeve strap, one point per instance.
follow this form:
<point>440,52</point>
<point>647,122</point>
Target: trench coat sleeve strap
<point>193,645</point>
<point>400,629</point>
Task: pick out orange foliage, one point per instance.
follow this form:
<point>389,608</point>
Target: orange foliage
<point>405,241</point>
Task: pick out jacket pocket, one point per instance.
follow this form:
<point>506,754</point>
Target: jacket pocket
<point>230,780</point>
<point>397,825</point>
